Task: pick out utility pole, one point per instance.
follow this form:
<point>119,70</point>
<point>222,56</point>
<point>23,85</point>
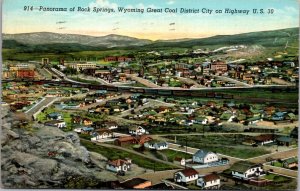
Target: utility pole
<point>185,152</point>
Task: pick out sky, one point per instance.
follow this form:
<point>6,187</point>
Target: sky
<point>151,26</point>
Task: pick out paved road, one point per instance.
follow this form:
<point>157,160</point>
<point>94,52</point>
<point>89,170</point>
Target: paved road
<point>142,81</point>
<point>45,102</point>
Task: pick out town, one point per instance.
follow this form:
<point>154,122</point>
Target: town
<point>191,120</point>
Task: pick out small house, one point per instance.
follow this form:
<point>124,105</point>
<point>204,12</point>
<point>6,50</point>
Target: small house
<point>284,141</point>
<point>87,121</point>
<point>185,176</point>
<point>136,183</point>
<point>179,160</point>
<point>102,134</point>
<point>118,165</point>
<point>87,130</point>
<point>204,157</point>
<point>290,163</point>
<point>56,123</point>
<point>210,181</point>
<point>246,170</point>
<point>264,139</point>
<point>111,125</point>
<point>54,116</point>
<point>156,145</point>
<point>137,130</point>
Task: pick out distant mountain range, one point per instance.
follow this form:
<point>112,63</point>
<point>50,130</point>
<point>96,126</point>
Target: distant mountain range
<point>55,42</point>
<point>56,38</point>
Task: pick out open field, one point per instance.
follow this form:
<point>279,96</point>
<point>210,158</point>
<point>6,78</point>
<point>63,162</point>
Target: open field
<point>230,145</point>
<point>116,154</point>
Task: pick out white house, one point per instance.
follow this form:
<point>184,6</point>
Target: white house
<point>156,145</point>
<point>102,134</point>
<point>56,123</point>
<point>204,157</point>
<point>137,130</point>
<point>186,175</point>
<point>119,165</point>
<point>111,125</point>
<point>246,170</point>
<point>210,181</point>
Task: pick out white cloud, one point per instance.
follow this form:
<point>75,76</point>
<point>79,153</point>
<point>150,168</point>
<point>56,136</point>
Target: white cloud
<point>171,2</point>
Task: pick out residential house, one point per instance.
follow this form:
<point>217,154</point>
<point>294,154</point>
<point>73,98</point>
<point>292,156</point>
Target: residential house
<point>136,183</point>
<point>87,130</point>
<point>125,140</point>
<point>210,181</point>
<point>54,116</point>
<point>201,120</point>
<point>56,123</point>
<point>246,170</point>
<point>294,133</point>
<point>264,139</point>
<point>77,119</point>
<point>87,121</point>
<point>111,125</point>
<point>290,163</point>
<point>284,141</point>
<point>204,157</point>
<point>185,176</point>
<point>101,134</point>
<point>278,116</point>
<point>137,130</point>
<point>156,145</point>
<point>180,160</point>
<point>119,165</point>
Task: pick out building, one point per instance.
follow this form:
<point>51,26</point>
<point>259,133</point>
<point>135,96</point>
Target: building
<point>119,165</point>
<point>185,176</point>
<point>54,116</point>
<point>25,73</point>
<point>210,181</point>
<point>102,134</point>
<point>81,65</point>
<point>136,183</point>
<point>290,163</point>
<point>246,170</point>
<point>218,66</point>
<point>56,123</point>
<point>284,140</point>
<point>156,145</point>
<point>264,139</point>
<point>204,157</point>
<point>137,130</point>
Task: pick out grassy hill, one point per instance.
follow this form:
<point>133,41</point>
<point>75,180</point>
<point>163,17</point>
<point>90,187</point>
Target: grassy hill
<point>270,41</point>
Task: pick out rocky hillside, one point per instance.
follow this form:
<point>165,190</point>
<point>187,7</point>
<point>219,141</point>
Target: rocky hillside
<point>33,156</point>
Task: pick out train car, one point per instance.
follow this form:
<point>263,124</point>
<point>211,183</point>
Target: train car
<point>124,89</point>
<point>181,93</point>
<point>218,95</point>
<point>227,96</point>
<point>210,95</point>
<point>164,92</point>
<point>151,91</point>
<point>137,90</point>
<point>198,94</point>
<point>112,88</point>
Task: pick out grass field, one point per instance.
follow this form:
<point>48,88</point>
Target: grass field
<point>224,144</point>
<point>116,154</point>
